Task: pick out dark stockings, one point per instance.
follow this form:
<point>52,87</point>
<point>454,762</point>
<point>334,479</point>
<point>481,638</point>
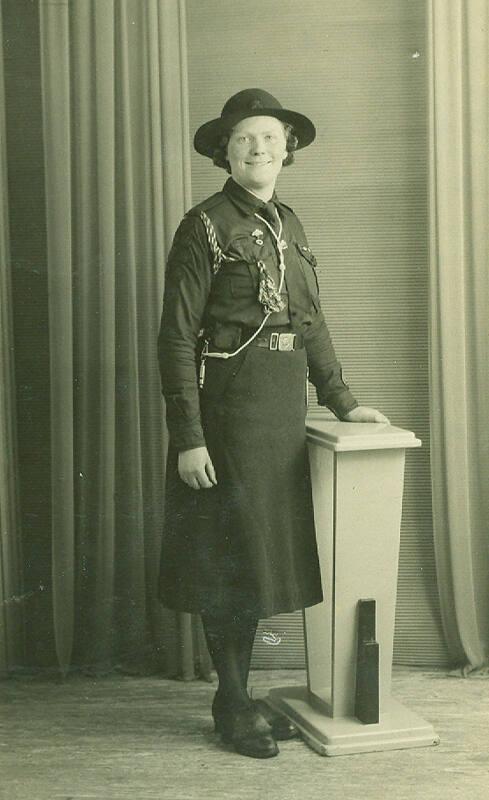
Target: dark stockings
<point>230,642</point>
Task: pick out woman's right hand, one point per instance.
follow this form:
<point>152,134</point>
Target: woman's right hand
<point>196,469</point>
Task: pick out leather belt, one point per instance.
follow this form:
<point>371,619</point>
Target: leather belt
<point>284,341</point>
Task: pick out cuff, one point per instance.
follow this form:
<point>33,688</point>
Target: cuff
<point>341,404</point>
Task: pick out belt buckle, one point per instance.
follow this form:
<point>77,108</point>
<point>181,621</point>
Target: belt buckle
<point>274,341</point>
<point>286,341</point>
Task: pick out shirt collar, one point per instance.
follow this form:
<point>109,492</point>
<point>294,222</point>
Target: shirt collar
<point>247,202</point>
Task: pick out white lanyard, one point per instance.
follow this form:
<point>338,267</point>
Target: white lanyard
<point>281,245</point>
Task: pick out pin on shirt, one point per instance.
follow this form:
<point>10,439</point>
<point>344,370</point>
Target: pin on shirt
<point>258,236</point>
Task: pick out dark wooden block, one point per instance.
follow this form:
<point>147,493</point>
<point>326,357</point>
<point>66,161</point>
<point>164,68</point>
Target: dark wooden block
<point>367,680</point>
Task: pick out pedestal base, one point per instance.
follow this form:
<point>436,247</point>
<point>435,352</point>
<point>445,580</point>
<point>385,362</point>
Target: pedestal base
<point>398,728</point>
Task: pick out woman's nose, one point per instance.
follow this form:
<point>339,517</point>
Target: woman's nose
<point>258,146</point>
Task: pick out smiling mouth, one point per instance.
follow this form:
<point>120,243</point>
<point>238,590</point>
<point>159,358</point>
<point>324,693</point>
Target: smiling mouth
<point>258,163</point>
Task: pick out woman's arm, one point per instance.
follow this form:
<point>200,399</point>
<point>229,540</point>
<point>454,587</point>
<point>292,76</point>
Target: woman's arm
<point>325,369</point>
<point>325,374</point>
<point>187,288</point>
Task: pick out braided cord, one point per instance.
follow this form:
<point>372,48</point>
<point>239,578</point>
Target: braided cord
<point>268,295</point>
<point>218,255</point>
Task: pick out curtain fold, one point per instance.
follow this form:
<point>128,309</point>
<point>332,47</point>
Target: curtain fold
<point>117,182</point>
<point>57,148</point>
<point>459,201</point>
<point>11,627</point>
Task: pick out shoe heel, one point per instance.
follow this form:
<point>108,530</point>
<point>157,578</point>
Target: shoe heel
<point>223,726</point>
<point>225,732</point>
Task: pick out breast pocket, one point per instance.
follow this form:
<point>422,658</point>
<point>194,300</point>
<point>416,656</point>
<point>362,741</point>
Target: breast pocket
<point>309,264</point>
<point>242,285</point>
<point>235,279</point>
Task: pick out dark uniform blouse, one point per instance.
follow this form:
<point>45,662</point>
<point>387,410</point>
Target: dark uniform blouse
<point>226,305</point>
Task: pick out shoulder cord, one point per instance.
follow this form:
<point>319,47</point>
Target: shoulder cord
<point>216,251</point>
<point>269,296</point>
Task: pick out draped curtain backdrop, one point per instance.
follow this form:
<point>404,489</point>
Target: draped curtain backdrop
<point>11,629</point>
<point>459,105</point>
<point>116,167</point>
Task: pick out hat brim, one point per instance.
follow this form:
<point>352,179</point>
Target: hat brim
<point>207,136</point>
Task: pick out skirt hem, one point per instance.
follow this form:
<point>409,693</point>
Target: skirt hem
<point>263,613</point>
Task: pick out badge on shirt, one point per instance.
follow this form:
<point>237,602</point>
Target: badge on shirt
<point>258,236</point>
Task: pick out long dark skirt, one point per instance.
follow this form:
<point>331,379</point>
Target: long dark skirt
<point>249,543</point>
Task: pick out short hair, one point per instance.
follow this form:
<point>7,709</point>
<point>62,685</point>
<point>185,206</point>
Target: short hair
<point>219,155</point>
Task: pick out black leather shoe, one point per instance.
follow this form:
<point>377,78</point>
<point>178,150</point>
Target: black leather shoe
<point>282,727</point>
<point>251,735</point>
<point>245,729</point>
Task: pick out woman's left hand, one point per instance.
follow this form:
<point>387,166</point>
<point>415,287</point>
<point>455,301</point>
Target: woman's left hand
<point>365,414</point>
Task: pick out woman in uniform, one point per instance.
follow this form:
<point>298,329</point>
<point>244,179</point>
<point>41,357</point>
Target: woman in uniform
<point>241,330</point>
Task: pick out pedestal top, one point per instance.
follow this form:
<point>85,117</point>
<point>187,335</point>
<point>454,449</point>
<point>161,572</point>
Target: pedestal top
<point>341,436</point>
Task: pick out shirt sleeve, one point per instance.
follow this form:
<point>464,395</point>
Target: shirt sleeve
<point>187,287</point>
<point>325,369</point>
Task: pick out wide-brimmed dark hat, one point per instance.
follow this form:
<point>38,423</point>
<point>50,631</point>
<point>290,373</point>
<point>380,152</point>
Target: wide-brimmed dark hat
<point>251,103</point>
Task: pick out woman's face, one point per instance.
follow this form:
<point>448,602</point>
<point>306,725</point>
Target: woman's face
<point>256,151</point>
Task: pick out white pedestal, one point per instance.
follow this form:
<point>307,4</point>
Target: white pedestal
<point>357,472</point>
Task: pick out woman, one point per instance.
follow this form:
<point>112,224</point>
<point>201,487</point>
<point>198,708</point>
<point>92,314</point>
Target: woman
<point>241,329</point>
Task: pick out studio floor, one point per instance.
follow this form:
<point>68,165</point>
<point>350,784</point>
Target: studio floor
<point>121,737</point>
